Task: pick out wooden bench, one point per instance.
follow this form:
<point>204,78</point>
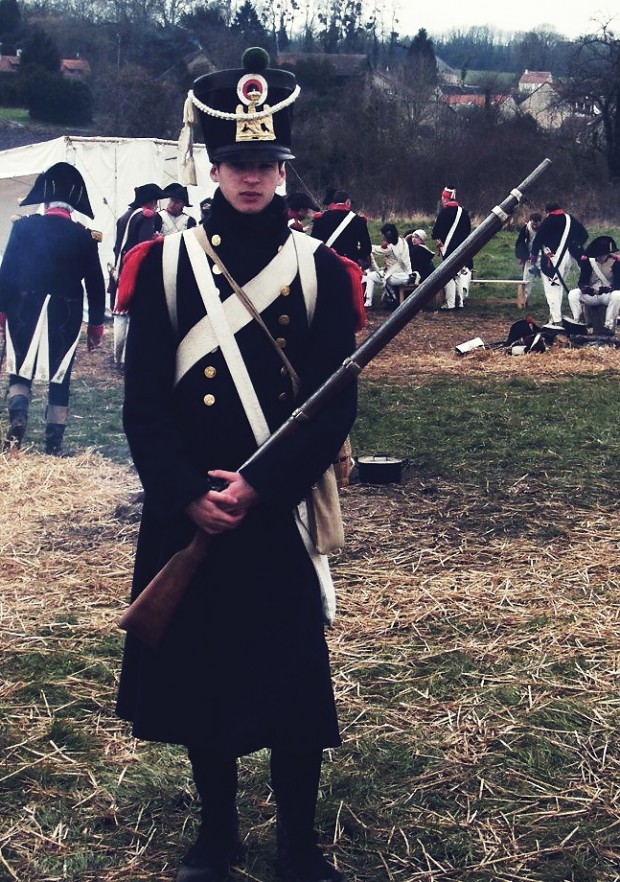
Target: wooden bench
<point>518,282</point>
<point>437,300</point>
<point>434,303</point>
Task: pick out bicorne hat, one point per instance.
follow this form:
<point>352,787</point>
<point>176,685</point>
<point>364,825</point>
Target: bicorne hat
<point>177,191</point>
<point>246,113</point>
<point>600,246</point>
<point>146,193</point>
<point>61,182</point>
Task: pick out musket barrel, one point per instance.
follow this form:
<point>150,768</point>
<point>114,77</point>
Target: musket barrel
<point>405,312</point>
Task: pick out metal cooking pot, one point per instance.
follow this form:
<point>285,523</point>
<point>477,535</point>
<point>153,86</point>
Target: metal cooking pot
<point>379,469</point>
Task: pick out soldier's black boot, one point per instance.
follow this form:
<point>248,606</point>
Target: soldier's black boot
<point>54,433</point>
<point>217,846</point>
<point>295,782</point>
<point>18,420</point>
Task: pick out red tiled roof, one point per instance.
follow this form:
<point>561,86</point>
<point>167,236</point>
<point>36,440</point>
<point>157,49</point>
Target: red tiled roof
<point>74,65</point>
<point>536,76</point>
<point>9,63</point>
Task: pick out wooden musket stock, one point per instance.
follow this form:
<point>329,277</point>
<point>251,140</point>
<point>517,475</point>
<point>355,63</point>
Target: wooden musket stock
<point>148,616</point>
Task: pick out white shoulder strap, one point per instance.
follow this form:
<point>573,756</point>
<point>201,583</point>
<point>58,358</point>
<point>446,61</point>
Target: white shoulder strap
<point>170,262</point>
<point>226,340</point>
<point>562,245</point>
<point>341,226</point>
<point>452,230</point>
<point>126,233</point>
<point>305,246</point>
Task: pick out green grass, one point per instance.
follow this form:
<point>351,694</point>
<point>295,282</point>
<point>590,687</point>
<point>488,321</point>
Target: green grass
<point>16,114</point>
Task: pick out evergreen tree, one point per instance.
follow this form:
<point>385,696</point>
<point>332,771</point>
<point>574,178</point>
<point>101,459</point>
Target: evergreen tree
<point>10,20</point>
<point>39,50</point>
<point>247,25</point>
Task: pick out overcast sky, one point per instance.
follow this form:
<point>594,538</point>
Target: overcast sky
<point>570,18</point>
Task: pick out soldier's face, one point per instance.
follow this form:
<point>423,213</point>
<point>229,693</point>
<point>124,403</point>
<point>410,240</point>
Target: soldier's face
<point>248,186</point>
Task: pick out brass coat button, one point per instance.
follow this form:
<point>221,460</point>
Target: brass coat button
<point>216,240</point>
<point>216,270</point>
<point>281,341</point>
<point>209,400</point>
<point>284,320</point>
<point>285,290</point>
<point>210,372</point>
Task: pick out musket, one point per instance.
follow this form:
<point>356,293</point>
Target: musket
<point>149,615</point>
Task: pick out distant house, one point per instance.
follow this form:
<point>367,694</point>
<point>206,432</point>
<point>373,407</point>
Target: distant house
<point>458,97</point>
<point>71,68</point>
<point>75,68</point>
<point>532,80</point>
<point>9,63</point>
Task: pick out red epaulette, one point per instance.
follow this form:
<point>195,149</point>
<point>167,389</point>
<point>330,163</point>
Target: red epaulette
<point>355,277</point>
<point>132,262</point>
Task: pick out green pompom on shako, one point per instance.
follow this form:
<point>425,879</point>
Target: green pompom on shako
<point>255,60</point>
<point>246,114</point>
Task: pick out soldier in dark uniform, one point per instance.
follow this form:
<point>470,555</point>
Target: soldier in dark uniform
<point>451,228</point>
<point>47,258</point>
<point>558,241</point>
<point>244,663</point>
<point>344,230</point>
<point>140,223</point>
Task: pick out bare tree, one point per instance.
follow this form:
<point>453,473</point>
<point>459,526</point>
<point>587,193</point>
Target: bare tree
<point>595,86</point>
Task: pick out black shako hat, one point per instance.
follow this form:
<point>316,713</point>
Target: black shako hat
<point>600,246</point>
<point>146,193</point>
<point>61,182</point>
<point>246,113</point>
<point>177,191</point>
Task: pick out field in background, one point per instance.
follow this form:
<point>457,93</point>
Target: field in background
<point>476,651</point>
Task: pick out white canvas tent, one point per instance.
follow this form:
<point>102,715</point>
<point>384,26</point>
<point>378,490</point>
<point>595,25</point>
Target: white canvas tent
<point>111,168</point>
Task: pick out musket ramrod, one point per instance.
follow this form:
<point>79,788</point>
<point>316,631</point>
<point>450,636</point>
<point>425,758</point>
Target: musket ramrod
<point>149,614</point>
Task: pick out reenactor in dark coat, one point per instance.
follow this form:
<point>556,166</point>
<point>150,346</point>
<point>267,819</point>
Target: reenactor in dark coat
<point>559,241</point>
<point>140,223</point>
<point>344,230</point>
<point>451,228</point>
<point>244,664</point>
<point>47,258</point>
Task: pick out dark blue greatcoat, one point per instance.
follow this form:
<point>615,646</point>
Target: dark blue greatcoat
<point>550,234</point>
<point>50,255</point>
<point>244,664</point>
<point>443,225</point>
<point>353,242</point>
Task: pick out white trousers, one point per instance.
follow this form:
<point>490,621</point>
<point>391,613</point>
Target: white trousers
<point>611,300</point>
<point>372,278</point>
<point>457,289</point>
<point>554,290</point>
